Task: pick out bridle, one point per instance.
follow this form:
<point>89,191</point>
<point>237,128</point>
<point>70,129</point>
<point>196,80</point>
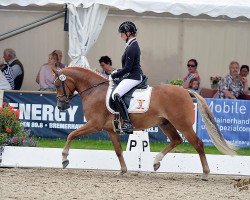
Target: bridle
<point>63,78</point>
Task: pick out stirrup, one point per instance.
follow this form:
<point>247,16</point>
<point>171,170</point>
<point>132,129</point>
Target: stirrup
<point>116,123</point>
<point>127,127</point>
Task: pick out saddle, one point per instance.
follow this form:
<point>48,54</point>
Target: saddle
<point>137,99</point>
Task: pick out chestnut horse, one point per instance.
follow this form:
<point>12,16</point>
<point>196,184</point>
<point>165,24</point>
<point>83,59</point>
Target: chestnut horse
<point>171,108</point>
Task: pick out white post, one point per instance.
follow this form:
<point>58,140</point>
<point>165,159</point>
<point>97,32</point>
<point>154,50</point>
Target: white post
<point>138,142</point>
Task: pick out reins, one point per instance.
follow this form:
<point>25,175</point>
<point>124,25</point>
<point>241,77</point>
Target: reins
<point>93,86</point>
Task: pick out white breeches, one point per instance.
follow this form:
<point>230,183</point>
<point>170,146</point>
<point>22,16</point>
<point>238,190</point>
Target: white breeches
<point>124,86</point>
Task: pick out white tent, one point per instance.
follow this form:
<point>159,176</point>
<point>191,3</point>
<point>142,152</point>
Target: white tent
<point>87,17</point>
<point>215,36</point>
<point>213,8</point>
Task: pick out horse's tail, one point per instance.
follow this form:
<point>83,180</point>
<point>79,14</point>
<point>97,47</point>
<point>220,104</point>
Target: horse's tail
<point>212,128</point>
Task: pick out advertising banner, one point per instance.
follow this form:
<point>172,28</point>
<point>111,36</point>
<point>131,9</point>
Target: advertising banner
<point>233,119</point>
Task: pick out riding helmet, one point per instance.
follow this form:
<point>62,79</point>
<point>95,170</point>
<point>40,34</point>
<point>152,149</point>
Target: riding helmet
<point>127,26</point>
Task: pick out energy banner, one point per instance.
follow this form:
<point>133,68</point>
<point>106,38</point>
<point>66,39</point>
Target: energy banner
<point>233,119</point>
<point>39,114</point>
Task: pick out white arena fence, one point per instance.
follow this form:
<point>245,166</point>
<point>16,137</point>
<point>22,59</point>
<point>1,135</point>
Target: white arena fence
<point>137,157</point>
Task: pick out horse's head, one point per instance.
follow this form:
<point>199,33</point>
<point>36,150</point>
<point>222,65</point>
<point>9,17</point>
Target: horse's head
<point>65,87</point>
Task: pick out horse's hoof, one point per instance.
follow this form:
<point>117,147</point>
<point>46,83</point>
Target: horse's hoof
<point>65,163</point>
<point>122,172</point>
<point>204,177</point>
<point>156,166</point>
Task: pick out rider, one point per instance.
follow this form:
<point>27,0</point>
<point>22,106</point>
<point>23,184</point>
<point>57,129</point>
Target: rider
<point>131,73</point>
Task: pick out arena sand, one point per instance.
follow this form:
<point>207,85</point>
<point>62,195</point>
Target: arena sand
<point>67,184</point>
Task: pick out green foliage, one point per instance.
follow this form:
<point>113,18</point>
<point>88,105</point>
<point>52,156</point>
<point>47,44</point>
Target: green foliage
<point>177,81</point>
<point>12,133</point>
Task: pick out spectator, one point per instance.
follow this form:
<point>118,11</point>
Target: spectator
<point>231,86</point>
<point>244,71</point>
<point>6,75</point>
<point>194,85</point>
<point>9,56</point>
<point>192,73</point>
<point>4,84</point>
<point>106,65</point>
<point>46,76</point>
<point>59,64</point>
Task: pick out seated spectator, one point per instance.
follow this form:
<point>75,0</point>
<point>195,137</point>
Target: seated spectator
<point>4,84</point>
<point>231,86</point>
<point>194,85</point>
<point>106,65</point>
<point>8,74</point>
<point>59,64</point>
<point>46,76</point>
<point>192,73</point>
<point>244,71</point>
<point>10,58</point>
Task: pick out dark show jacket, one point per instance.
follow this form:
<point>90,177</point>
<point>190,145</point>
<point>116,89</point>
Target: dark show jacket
<point>131,68</point>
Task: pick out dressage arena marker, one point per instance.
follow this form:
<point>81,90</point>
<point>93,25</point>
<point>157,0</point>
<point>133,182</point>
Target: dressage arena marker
<point>138,142</point>
<point>34,157</point>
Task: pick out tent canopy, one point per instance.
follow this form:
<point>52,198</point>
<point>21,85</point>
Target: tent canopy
<point>213,8</point>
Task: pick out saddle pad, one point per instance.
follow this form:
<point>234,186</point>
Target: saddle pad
<point>139,103</point>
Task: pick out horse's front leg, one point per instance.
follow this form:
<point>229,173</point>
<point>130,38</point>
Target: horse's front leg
<point>89,127</point>
<point>115,138</point>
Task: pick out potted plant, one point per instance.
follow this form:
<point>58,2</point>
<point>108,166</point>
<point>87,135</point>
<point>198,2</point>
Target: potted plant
<point>12,132</point>
<point>177,81</point>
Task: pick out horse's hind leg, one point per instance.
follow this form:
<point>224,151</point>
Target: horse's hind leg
<point>118,150</point>
<point>175,139</point>
<point>84,130</point>
<point>198,145</point>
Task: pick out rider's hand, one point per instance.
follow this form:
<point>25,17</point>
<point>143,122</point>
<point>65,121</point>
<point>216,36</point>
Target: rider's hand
<point>110,78</point>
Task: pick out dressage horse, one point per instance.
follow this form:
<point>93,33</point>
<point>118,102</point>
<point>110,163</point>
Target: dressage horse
<point>171,108</point>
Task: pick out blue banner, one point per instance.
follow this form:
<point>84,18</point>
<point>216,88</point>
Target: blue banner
<point>233,119</point>
<point>39,113</point>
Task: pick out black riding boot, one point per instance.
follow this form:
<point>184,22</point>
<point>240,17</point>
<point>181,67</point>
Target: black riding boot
<point>127,126</point>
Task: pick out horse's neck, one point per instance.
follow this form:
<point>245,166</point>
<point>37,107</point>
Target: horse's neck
<point>86,79</point>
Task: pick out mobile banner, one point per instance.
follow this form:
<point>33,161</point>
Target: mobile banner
<point>233,119</point>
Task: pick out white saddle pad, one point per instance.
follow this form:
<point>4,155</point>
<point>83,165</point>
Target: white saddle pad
<point>139,102</point>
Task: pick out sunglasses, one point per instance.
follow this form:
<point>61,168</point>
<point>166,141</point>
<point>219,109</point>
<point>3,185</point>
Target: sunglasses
<point>191,65</point>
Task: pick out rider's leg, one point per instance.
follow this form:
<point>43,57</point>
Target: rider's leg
<point>127,126</point>
<point>124,86</point>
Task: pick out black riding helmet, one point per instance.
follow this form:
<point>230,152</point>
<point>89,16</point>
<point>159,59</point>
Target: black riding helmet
<point>127,27</point>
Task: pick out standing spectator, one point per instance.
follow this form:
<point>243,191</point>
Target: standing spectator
<point>244,71</point>
<point>6,75</point>
<point>231,86</point>
<point>10,58</point>
<point>59,64</point>
<point>192,72</point>
<point>46,76</point>
<point>106,65</point>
